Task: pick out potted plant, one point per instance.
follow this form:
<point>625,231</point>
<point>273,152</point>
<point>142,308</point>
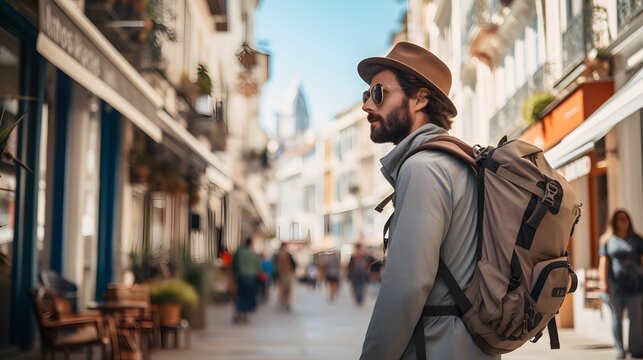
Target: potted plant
<point>141,162</point>
<point>534,105</point>
<point>171,297</point>
<point>599,63</point>
<point>204,82</point>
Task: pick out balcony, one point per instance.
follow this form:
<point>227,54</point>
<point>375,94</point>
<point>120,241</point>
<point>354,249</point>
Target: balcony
<point>508,120</point>
<point>123,24</point>
<point>481,25</point>
<point>136,28</point>
<point>576,41</point>
<point>586,31</point>
<point>219,11</point>
<point>627,10</point>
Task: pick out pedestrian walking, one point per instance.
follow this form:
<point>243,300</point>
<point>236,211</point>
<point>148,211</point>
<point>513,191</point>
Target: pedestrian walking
<point>621,275</point>
<point>311,275</point>
<point>358,273</point>
<point>246,266</point>
<point>265,277</point>
<point>285,265</point>
<point>332,270</point>
<point>407,104</point>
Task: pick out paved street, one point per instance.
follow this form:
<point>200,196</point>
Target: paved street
<point>318,330</point>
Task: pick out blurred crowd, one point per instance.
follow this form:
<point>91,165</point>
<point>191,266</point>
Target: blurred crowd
<point>254,275</point>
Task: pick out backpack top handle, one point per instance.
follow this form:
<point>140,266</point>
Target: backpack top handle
<point>451,145</point>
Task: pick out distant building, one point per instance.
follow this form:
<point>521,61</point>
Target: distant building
<point>293,119</point>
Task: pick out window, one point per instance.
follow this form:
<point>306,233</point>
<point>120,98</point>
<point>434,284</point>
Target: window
<point>295,231</point>
<point>309,198</point>
<point>327,225</point>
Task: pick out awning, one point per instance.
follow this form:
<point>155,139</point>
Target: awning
<point>72,43</point>
<point>260,201</point>
<point>217,171</point>
<point>622,104</point>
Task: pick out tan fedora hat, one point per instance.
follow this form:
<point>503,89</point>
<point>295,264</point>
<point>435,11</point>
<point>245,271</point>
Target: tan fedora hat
<point>417,61</point>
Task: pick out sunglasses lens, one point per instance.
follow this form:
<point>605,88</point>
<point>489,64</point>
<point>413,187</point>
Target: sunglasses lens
<point>365,95</point>
<point>378,93</point>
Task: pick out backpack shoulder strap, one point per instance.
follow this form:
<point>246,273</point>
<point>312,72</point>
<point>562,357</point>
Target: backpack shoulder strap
<point>450,145</point>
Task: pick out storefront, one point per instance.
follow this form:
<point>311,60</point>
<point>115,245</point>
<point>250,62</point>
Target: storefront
<point>73,89</point>
<point>95,89</point>
<point>81,100</point>
<point>602,158</point>
<point>21,96</point>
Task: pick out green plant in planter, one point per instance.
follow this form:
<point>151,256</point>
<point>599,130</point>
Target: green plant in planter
<point>5,134</point>
<point>143,265</point>
<point>534,105</point>
<point>197,274</point>
<point>204,82</point>
<point>174,291</point>
<point>603,54</point>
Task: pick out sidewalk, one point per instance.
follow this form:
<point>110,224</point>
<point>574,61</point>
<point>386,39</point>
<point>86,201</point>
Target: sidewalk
<point>316,330</point>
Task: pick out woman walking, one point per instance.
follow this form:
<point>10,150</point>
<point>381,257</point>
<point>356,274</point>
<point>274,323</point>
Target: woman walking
<point>621,278</point>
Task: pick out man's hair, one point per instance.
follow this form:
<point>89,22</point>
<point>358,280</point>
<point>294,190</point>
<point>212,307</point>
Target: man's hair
<point>437,110</point>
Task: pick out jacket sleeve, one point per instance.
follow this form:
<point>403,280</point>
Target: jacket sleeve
<point>423,207</point>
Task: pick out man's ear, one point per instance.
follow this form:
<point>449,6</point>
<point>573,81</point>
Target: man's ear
<point>421,99</point>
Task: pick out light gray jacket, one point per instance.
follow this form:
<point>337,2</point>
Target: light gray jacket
<point>435,215</point>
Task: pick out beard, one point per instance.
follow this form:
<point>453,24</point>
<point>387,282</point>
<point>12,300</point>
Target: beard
<point>394,128</point>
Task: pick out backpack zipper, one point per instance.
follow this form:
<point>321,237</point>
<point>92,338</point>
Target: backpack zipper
<point>540,283</point>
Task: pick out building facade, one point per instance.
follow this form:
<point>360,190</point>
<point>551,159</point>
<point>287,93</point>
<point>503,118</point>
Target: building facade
<point>141,136</point>
<point>565,76</point>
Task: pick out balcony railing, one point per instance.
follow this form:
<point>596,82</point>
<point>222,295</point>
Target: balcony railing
<point>509,117</point>
<point>480,14</point>
<point>627,10</point>
<point>576,41</point>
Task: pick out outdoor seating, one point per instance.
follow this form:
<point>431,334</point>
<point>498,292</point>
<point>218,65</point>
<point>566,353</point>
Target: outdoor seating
<point>61,286</point>
<point>145,316</point>
<point>65,332</point>
<point>174,332</point>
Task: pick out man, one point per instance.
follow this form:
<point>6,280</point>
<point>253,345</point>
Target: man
<point>246,266</point>
<point>358,272</point>
<point>435,208</point>
<point>285,265</point>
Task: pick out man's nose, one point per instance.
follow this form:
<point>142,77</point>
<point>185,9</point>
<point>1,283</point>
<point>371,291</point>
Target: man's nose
<point>369,106</point>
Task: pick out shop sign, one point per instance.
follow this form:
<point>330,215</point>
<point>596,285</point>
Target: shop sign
<point>577,169</point>
<point>60,28</point>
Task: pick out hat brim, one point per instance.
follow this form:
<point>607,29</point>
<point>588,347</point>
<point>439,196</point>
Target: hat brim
<point>367,75</point>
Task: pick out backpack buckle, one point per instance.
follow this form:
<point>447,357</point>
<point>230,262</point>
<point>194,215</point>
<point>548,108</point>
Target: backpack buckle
<point>551,189</point>
<point>478,152</point>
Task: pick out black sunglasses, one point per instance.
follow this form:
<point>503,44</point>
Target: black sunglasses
<point>376,92</point>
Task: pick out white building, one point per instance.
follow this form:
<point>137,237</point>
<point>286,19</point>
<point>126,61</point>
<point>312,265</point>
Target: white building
<point>588,58</point>
<point>352,182</point>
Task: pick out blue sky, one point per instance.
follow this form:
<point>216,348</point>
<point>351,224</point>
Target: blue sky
<point>320,43</point>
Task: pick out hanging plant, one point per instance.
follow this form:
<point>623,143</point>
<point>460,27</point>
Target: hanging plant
<point>161,19</point>
<point>141,161</point>
<point>246,85</point>
<point>247,56</point>
<point>534,105</point>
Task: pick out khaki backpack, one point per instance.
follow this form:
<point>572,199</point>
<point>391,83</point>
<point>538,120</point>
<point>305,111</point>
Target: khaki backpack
<point>526,215</point>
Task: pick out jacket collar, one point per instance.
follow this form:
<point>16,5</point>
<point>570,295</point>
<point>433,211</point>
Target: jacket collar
<point>393,160</point>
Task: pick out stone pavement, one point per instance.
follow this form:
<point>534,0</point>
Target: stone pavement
<point>317,330</point>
